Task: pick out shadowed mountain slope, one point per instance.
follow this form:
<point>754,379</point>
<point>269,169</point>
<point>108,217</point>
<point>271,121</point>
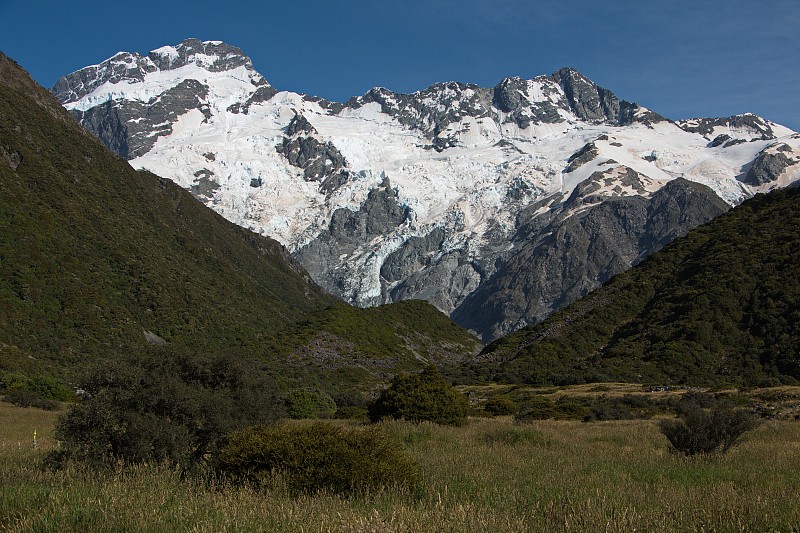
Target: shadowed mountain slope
<point>719,305</point>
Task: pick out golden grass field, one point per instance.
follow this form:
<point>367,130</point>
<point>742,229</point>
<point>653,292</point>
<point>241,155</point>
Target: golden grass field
<point>490,475</point>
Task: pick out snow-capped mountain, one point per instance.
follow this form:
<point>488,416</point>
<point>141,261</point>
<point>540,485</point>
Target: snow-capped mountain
<point>498,205</point>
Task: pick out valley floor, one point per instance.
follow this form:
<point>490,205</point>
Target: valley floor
<point>490,475</point>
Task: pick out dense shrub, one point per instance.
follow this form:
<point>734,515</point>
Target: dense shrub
<point>541,408</point>
<point>318,456</point>
<point>706,430</point>
<point>29,398</point>
<point>626,407</point>
<point>46,387</point>
<point>309,404</point>
<point>419,397</point>
<point>161,406</point>
<point>536,408</point>
<point>500,405</point>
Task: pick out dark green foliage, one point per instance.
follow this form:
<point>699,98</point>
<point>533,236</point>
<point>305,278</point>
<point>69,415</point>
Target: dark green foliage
<point>351,412</point>
<point>309,404</point>
<point>162,406</point>
<point>43,386</point>
<point>318,457</point>
<point>706,430</point>
<point>536,408</point>
<point>29,398</point>
<point>721,305</point>
<point>425,396</point>
<point>339,342</point>
<point>500,405</point>
<point>626,407</point>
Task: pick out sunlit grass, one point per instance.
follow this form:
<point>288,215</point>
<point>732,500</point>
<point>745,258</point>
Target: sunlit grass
<point>491,475</point>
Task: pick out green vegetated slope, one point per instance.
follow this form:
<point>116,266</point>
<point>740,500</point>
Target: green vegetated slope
<point>93,254</point>
<point>348,345</point>
<point>719,305</point>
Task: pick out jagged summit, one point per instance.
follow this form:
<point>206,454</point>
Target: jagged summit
<point>133,68</point>
<point>478,175</point>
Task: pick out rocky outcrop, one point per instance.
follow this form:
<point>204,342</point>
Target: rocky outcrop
<point>10,157</point>
<point>757,127</point>
<point>769,165</point>
<point>320,161</point>
<point>346,235</point>
<point>582,156</point>
<point>132,128</point>
<point>512,96</point>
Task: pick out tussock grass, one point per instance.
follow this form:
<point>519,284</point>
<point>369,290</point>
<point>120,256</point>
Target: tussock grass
<point>491,475</point>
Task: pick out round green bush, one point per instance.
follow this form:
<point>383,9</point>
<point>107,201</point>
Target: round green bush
<point>319,456</point>
<point>500,405</point>
<point>426,396</point>
<point>309,404</point>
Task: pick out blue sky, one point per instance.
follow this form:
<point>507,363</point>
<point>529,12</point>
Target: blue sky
<point>681,58</point>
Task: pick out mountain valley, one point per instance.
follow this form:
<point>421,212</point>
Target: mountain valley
<point>497,205</point>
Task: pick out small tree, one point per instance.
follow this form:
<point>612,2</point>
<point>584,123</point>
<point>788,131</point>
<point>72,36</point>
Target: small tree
<point>426,396</point>
<point>699,430</point>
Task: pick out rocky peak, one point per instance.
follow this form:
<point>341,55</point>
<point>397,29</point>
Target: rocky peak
<point>586,99</point>
<point>212,56</point>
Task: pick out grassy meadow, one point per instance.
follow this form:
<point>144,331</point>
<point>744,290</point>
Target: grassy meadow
<point>490,475</point>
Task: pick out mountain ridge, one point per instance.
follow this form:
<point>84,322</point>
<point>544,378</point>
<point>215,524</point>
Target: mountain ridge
<point>466,165</point>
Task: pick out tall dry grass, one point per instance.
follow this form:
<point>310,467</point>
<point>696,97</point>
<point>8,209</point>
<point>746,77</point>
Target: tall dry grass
<point>491,475</point>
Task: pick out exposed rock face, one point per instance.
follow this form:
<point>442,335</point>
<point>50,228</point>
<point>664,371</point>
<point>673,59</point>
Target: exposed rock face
<point>587,100</point>
<point>319,160</point>
<point>122,128</point>
<point>214,56</point>
<point>584,155</point>
<point>347,232</point>
<point>131,127</point>
<point>769,165</point>
<point>560,261</point>
<point>10,157</point>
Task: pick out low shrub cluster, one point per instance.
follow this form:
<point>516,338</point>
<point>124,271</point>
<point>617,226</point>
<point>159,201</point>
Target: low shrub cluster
<point>590,409</point>
<point>317,457</point>
<point>541,408</point>
<point>29,398</point>
<point>500,406</point>
<point>45,387</point>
